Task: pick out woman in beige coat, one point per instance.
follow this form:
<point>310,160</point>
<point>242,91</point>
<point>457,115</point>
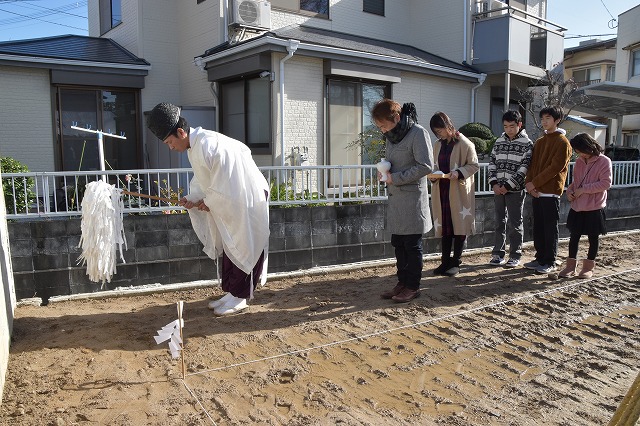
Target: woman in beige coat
<point>452,195</point>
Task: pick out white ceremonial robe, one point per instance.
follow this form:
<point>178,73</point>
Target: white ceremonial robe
<point>228,180</point>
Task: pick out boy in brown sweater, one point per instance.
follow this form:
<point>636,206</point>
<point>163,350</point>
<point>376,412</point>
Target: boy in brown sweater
<point>545,183</point>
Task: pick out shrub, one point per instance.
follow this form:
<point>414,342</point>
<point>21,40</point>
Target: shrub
<point>478,130</point>
<point>480,144</point>
<point>24,196</point>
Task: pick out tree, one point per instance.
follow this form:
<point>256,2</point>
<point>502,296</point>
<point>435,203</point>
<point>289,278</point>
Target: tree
<point>551,90</point>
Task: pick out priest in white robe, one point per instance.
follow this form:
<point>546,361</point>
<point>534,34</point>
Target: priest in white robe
<point>227,202</point>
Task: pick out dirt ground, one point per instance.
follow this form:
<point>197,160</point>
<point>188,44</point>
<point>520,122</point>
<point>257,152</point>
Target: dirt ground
<point>489,347</point>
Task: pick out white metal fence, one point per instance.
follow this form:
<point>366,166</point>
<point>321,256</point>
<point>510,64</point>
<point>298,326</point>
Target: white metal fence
<point>48,194</point>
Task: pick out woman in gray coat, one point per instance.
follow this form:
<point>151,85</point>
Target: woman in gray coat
<point>408,148</point>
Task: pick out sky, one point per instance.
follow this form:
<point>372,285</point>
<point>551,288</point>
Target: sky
<point>22,19</point>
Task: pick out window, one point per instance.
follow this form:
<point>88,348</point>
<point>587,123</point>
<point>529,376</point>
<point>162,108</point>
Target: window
<point>112,111</point>
<point>587,76</point>
<point>373,6</point>
<point>631,139</point>
<point>611,73</point>
<point>315,7</point>
<point>350,105</point>
<point>635,63</point>
<point>110,14</point>
<point>246,112</point>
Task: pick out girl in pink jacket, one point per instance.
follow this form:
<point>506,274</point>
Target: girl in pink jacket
<point>587,193</point>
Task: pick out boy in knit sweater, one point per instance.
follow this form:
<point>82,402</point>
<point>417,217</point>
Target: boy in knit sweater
<point>508,164</point>
<point>545,183</point>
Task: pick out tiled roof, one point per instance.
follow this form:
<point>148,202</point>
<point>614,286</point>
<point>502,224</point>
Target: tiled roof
<point>351,42</point>
<point>72,48</point>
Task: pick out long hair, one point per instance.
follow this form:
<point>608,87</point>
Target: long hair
<point>582,142</point>
<point>440,120</point>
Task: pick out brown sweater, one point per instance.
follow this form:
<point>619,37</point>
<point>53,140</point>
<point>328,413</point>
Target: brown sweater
<point>549,163</point>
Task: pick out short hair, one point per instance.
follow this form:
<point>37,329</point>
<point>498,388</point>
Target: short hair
<point>440,120</point>
<point>385,109</point>
<point>181,124</point>
<point>554,110</point>
<point>584,143</point>
<point>512,115</point>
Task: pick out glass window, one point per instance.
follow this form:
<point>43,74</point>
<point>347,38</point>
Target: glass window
<point>611,73</point>
<point>350,105</point>
<point>246,112</point>
<point>318,7</point>
<point>112,111</point>
<point>373,6</point>
<point>110,14</point>
<point>635,63</point>
<point>587,76</point>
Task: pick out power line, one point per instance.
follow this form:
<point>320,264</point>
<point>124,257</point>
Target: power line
<point>43,20</point>
<point>41,14</point>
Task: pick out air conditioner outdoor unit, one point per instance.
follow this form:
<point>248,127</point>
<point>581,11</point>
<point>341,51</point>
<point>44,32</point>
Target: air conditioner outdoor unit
<point>252,13</point>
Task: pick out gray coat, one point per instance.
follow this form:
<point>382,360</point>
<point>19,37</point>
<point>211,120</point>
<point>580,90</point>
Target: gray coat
<point>411,161</point>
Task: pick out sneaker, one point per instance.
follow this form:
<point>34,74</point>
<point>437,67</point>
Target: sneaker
<point>496,260</point>
<point>217,303</point>
<point>534,264</point>
<point>512,263</point>
<point>441,269</point>
<point>545,269</point>
<point>233,305</point>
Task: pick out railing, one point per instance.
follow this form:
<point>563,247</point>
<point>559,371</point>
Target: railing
<point>49,194</point>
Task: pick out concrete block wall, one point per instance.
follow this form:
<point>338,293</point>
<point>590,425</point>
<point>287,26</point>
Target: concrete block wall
<point>164,249</point>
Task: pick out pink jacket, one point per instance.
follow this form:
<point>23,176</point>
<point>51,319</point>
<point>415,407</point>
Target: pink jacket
<point>594,177</point>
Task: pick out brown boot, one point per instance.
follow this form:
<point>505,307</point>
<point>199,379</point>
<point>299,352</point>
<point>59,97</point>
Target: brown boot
<point>393,292</point>
<point>587,268</point>
<point>406,295</point>
<point>569,270</point>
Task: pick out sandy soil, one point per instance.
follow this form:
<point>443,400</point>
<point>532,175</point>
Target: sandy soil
<point>488,347</point>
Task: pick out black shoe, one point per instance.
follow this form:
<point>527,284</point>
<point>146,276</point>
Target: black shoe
<point>440,270</point>
<point>454,268</point>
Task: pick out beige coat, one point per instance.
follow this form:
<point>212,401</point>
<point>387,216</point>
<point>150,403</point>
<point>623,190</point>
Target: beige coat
<point>462,192</point>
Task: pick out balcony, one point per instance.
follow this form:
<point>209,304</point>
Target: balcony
<point>506,39</point>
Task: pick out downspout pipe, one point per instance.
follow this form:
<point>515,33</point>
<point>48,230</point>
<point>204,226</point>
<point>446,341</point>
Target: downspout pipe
<point>291,49</point>
<point>481,80</point>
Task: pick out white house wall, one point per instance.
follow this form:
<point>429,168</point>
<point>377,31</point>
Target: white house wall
<point>303,110</point>
<point>27,118</point>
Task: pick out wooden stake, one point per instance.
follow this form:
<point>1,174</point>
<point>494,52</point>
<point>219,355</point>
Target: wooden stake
<point>180,304</point>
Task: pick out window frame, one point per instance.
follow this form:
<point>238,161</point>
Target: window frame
<point>256,148</point>
<point>105,8</point>
<point>284,5</point>
<point>373,7</point>
<point>634,63</point>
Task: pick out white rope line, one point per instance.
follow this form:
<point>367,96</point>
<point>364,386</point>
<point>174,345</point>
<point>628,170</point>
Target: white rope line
<point>199,403</point>
<point>431,320</point>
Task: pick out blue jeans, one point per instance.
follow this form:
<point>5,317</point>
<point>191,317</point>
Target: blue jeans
<point>509,224</point>
<point>546,214</point>
<point>409,259</point>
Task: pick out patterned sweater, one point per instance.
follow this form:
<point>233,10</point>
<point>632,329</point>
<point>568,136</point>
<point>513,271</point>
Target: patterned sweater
<point>510,160</point>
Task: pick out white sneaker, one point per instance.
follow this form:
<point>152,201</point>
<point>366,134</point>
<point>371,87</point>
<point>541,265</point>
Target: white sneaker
<point>496,260</point>
<point>235,304</point>
<point>224,299</point>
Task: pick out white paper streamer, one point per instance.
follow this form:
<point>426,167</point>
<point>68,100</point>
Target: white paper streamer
<point>102,229</point>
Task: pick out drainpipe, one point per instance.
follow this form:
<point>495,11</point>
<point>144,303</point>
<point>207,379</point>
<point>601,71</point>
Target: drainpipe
<point>481,79</point>
<point>291,48</point>
<point>464,32</point>
<point>225,19</point>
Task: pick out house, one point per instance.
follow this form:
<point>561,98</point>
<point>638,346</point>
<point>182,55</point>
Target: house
<point>287,77</point>
<point>608,72</point>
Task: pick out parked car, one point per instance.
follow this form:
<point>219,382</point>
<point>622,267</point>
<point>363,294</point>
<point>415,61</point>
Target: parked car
<point>622,153</point>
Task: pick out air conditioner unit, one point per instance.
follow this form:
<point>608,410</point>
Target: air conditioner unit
<point>252,13</point>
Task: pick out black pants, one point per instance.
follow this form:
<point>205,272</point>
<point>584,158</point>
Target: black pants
<point>409,259</point>
<point>546,213</point>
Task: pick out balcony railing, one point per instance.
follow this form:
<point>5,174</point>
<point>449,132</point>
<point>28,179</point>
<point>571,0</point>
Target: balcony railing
<point>50,194</point>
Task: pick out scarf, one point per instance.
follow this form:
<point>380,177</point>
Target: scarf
<point>408,117</point>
